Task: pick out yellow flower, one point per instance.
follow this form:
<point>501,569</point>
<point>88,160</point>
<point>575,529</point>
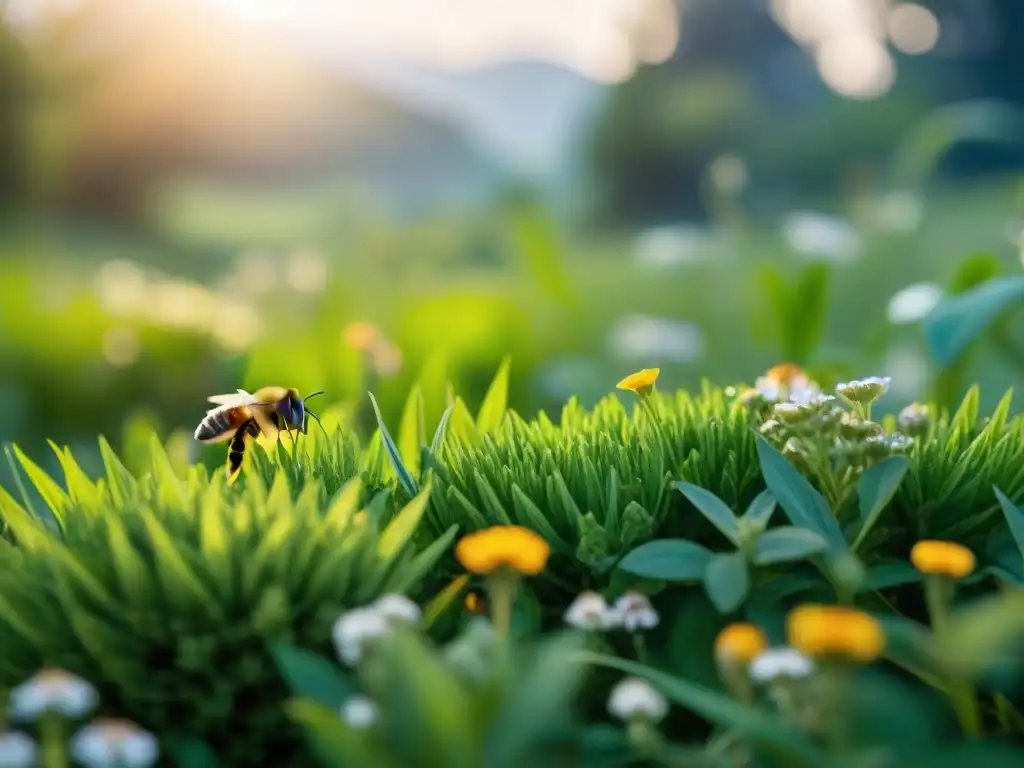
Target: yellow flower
<point>942,557</point>
<point>835,630</point>
<point>786,374</point>
<point>518,548</point>
<point>361,336</point>
<point>475,603</point>
<point>641,382</point>
<point>740,642</point>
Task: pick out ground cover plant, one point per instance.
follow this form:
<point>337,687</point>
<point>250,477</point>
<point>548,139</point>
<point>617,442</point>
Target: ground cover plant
<point>743,576</point>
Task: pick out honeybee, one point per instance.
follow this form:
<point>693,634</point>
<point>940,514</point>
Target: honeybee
<point>268,410</point>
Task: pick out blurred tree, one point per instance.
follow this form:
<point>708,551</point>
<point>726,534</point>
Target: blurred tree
<point>12,150</point>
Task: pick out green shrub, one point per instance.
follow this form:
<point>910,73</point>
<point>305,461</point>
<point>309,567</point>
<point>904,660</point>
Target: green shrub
<point>166,591</point>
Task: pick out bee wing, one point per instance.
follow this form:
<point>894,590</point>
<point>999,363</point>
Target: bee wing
<point>266,425</point>
<point>241,397</point>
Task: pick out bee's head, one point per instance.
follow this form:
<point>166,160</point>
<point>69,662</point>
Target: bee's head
<point>293,408</point>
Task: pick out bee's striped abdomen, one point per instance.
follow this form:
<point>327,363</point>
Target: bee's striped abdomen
<point>220,423</point>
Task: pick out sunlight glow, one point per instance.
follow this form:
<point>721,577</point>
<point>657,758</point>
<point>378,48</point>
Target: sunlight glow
<point>913,28</point>
<point>856,65</point>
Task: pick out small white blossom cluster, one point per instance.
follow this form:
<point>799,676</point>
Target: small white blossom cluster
<point>360,712</point>
<point>103,743</point>
<point>357,629</point>
<point>775,663</point>
<point>631,612</point>
<point>633,698</point>
<point>799,390</point>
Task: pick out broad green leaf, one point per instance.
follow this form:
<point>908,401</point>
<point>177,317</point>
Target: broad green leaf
<point>492,411</point>
<point>1014,519</point>
<point>668,560</point>
<point>753,723</point>
<point>875,488</point>
<point>401,529</point>
<point>727,581</point>
<point>713,508</point>
<point>404,477</point>
<point>310,675</point>
<point>804,506</point>
<point>335,742</point>
<point>539,702</point>
<point>761,509</point>
<point>787,544</point>
<point>956,322</point>
<point>890,573</point>
<point>410,431</point>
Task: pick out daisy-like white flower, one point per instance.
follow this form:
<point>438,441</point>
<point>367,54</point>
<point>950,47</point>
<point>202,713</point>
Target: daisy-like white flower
<point>110,743</point>
<point>398,609</point>
<point>779,662</point>
<point>804,395</point>
<point>52,690</point>
<point>17,750</point>
<point>633,698</point>
<point>914,419</point>
<point>864,391</point>
<point>355,630</point>
<point>590,612</point>
<point>633,611</point>
<point>359,712</point>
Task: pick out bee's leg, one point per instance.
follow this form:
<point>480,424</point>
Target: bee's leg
<point>236,452</point>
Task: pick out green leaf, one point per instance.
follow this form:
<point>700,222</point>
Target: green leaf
<point>441,432</point>
<point>958,320</point>
<point>412,573</point>
<point>444,599</point>
<point>753,723</point>
<point>410,430</point>
<point>404,477</point>
<point>668,560</point>
<point>984,636</point>
<point>875,489</point>
<point>804,506</point>
<point>310,675</point>
<point>335,742</point>
<point>1014,519</point>
<point>761,509</point>
<point>193,753</point>
<point>787,544</point>
<point>401,529</point>
<point>890,573</point>
<point>54,496</point>
<point>808,311</point>
<point>727,581</point>
<point>713,508</point>
<point>492,411</point>
<point>537,703</point>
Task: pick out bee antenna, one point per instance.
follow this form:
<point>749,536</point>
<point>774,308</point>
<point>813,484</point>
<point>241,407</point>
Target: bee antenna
<point>312,394</point>
<point>317,420</point>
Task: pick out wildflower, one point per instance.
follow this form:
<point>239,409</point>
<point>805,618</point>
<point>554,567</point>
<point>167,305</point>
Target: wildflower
<point>780,662</point>
<point>361,336</point>
<point>914,419</point>
<point>769,426</point>
<point>740,642</point>
<point>864,391</point>
<point>898,443</point>
<point>944,558</point>
<point>512,546</point>
<point>355,630</point>
<point>52,690</point>
<point>793,447</point>
<point>633,698</point>
<point>398,609</point>
<point>640,383</point>
<point>785,382</point>
<point>791,413</point>
<point>590,612</point>
<point>16,750</point>
<point>634,611</point>
<point>359,712</point>
<point>106,743</point>
<point>836,630</point>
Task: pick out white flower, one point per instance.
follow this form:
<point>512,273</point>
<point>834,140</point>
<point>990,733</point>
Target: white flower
<point>899,442</point>
<point>398,609</point>
<point>769,425</point>
<point>633,611</point>
<point>16,750</point>
<point>354,630</point>
<point>804,395</point>
<point>914,419</point>
<point>864,390</point>
<point>635,698</point>
<point>591,612</point>
<point>110,743</point>
<point>780,662</point>
<point>359,712</point>
<point>789,413</point>
<point>52,689</point>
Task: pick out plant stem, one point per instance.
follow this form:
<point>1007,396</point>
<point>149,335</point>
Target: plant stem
<point>938,595</point>
<point>639,647</point>
<point>51,737</point>
<point>501,590</point>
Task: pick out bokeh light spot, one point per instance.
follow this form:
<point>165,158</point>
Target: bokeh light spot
<point>913,28</point>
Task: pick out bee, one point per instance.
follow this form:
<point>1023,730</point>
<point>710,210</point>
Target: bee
<point>268,410</point>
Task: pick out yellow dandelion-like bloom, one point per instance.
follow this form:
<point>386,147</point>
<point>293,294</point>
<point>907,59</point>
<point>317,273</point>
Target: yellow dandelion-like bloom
<point>513,546</point>
<point>942,557</point>
<point>740,642</point>
<point>835,630</point>
<point>362,336</point>
<point>641,382</point>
